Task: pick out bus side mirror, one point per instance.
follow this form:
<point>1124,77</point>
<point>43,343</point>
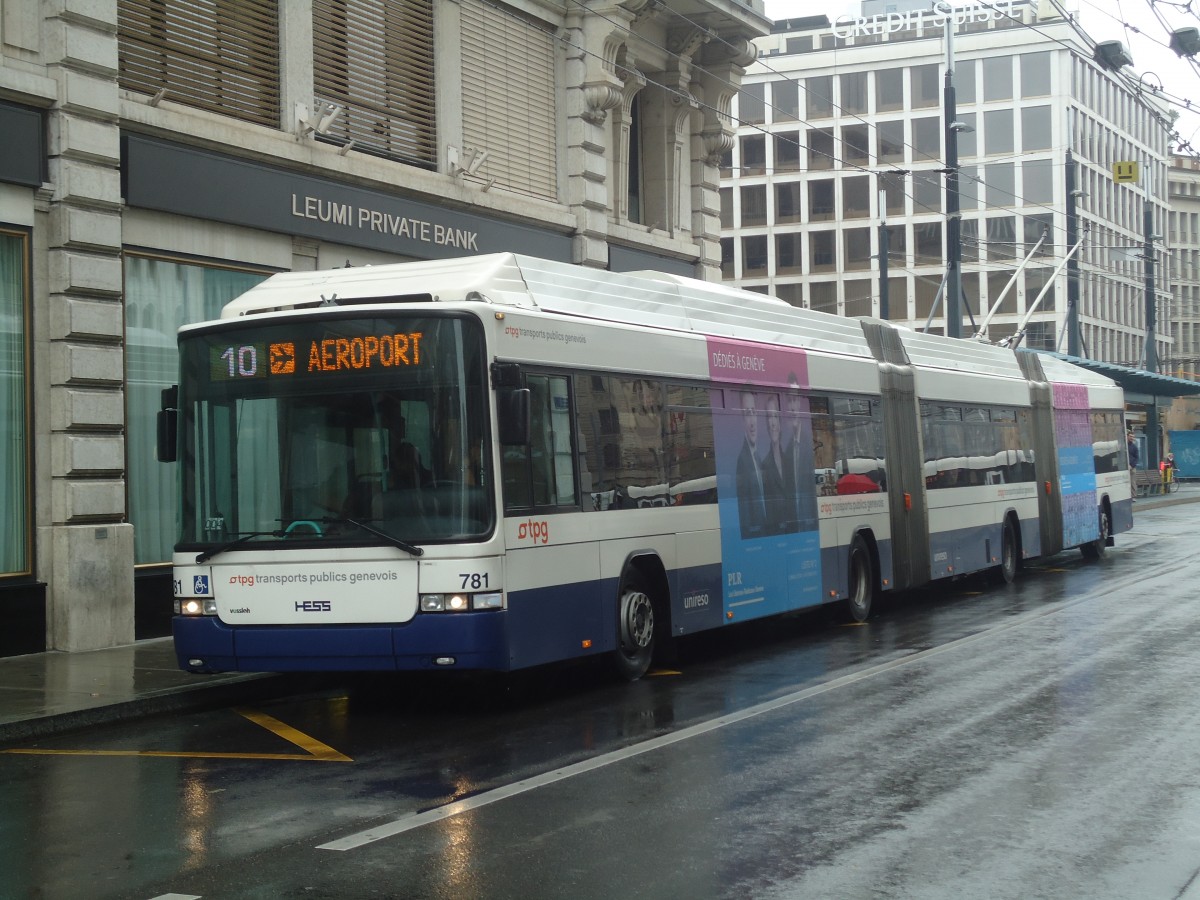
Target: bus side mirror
<point>168,425</point>
<point>512,410</point>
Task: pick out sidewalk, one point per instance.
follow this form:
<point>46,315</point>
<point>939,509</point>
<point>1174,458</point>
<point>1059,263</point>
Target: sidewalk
<point>45,693</point>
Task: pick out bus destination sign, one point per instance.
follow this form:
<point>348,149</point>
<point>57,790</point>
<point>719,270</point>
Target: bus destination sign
<point>336,354</point>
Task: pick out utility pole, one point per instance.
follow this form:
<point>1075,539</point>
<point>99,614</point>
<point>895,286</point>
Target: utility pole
<point>953,213</point>
<point>1148,259</point>
<point>1073,194</point>
<point>883,256</point>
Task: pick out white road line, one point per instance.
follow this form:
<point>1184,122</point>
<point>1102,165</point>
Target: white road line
<point>176,897</point>
<point>417,820</point>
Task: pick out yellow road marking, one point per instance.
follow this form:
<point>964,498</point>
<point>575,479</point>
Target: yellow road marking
<point>653,672</point>
<point>314,750</point>
<point>310,745</point>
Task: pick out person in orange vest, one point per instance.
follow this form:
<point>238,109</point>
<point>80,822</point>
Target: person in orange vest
<point>1166,468</point>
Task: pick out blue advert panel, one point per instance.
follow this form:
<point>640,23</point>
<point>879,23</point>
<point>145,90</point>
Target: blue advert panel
<point>766,490</point>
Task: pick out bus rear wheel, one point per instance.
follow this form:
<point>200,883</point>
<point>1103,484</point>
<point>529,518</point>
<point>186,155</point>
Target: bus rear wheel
<point>1008,553</point>
<point>635,627</point>
<point>862,581</point>
<point>1095,549</point>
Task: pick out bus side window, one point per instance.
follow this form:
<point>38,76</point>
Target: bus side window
<point>542,473</point>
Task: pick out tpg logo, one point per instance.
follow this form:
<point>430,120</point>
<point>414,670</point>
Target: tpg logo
<point>538,532</point>
<point>314,606</point>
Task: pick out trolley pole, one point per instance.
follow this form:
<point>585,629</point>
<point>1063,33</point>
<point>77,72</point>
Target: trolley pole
<point>953,212</point>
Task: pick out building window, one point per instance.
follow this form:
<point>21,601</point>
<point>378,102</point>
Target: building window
<point>820,148</point>
<point>996,284</point>
<point>822,296</point>
<point>217,55</point>
<point>754,255</point>
<point>854,92</point>
<point>968,187</point>
<point>15,520</point>
<point>1035,75</point>
<point>161,295</point>
<point>859,297</point>
<point>927,138</point>
<point>726,195</point>
<point>789,254</point>
<point>1002,237</point>
<point>509,105</point>
<point>889,141</point>
<point>856,145</point>
<point>1037,176</point>
<point>1001,184</point>
<point>788,202</point>
<point>754,205</point>
<point>786,96</point>
<point>633,161</point>
<point>858,249</point>
<point>967,138</point>
<point>997,78</point>
<point>1036,129</point>
<point>927,239</point>
<point>889,90</point>
<point>998,131</point>
<point>927,191</point>
<point>819,96</point>
<point>969,238</point>
<point>1035,227</point>
<point>787,151</point>
<point>822,251</point>
<point>727,263</point>
<point>856,199</point>
<point>754,154</point>
<point>374,58</point>
<point>964,81</point>
<point>925,90</point>
<point>820,200</point>
<point>752,109</point>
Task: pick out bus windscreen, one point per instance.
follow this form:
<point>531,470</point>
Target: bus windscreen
<point>307,431</point>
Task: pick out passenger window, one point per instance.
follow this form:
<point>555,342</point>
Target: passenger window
<point>543,473</point>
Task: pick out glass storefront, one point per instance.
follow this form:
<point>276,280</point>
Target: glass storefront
<point>14,445</point>
<point>160,295</point>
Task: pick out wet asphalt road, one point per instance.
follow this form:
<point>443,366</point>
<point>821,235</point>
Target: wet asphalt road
<point>1038,740</point>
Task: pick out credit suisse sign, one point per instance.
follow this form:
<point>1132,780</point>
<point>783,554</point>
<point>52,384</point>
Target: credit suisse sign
<point>848,27</point>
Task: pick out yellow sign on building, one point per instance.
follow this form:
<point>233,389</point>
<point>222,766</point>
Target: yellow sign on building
<point>1125,171</point>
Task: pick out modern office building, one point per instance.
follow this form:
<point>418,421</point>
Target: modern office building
<point>842,125</point>
<point>1183,179</point>
<point>158,158</point>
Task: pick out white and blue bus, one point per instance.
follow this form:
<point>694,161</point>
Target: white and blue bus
<point>499,462</point>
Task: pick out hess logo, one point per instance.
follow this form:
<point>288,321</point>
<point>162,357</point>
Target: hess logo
<point>538,532</point>
<point>314,606</point>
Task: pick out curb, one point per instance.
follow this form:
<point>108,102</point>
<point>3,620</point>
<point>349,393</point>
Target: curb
<point>245,688</point>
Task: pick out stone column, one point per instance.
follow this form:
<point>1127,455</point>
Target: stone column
<point>85,544</point>
<point>716,79</point>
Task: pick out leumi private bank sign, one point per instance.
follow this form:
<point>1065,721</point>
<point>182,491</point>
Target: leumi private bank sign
<point>890,23</point>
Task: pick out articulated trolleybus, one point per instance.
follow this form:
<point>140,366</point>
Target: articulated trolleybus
<point>499,462</point>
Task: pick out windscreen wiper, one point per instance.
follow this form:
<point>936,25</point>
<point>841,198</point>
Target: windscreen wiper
<point>238,541</point>
<point>394,541</point>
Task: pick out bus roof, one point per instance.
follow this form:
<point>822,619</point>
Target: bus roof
<point>651,299</point>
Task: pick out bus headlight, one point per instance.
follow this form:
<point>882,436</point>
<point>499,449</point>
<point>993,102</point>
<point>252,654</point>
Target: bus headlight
<point>461,602</point>
<point>196,606</point>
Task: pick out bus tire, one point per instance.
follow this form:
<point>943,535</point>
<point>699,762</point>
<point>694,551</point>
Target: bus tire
<point>635,627</point>
<point>861,584</point>
<point>1095,549</point>
<point>1010,555</point>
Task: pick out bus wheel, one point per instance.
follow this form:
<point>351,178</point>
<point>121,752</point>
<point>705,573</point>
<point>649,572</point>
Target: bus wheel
<point>1095,549</point>
<point>862,581</point>
<point>1008,553</point>
<point>635,628</point>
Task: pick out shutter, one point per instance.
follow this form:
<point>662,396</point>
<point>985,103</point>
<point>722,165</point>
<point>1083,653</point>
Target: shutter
<point>375,59</point>
<point>509,99</point>
<point>217,55</point>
